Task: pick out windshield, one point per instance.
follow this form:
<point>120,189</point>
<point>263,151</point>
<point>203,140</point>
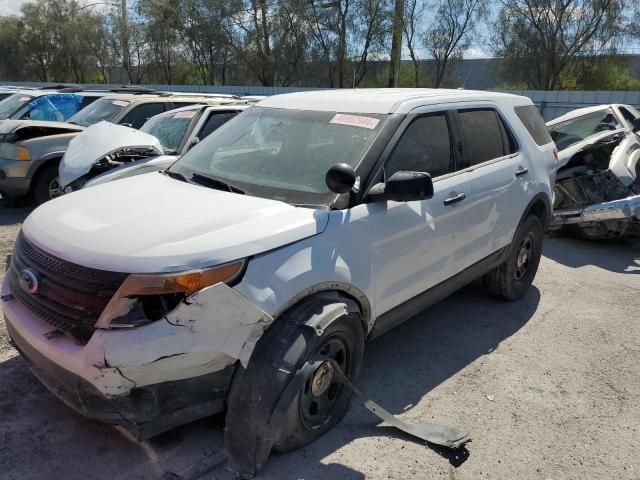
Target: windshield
<point>103,109</point>
<point>169,128</point>
<point>581,128</point>
<point>11,104</point>
<point>282,154</point>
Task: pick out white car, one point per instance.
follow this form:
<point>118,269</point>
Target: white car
<point>107,152</point>
<point>597,189</point>
<point>252,272</point>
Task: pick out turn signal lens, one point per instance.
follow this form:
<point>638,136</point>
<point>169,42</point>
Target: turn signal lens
<point>187,283</point>
<point>22,153</point>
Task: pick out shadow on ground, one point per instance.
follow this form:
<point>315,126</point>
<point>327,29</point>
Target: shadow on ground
<point>618,256</point>
<point>41,438</point>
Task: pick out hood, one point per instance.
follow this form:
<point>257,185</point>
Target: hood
<point>565,155</point>
<point>146,165</point>
<point>98,141</point>
<point>10,126</point>
<point>152,223</point>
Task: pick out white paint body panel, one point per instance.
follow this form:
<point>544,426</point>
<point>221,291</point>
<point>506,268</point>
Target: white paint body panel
<point>152,223</point>
<point>95,143</point>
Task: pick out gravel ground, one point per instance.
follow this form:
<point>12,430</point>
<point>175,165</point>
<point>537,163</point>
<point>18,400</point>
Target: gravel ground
<point>548,388</point>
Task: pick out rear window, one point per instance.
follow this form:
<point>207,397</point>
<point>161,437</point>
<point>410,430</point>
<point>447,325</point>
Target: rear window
<point>533,122</point>
<point>486,137</point>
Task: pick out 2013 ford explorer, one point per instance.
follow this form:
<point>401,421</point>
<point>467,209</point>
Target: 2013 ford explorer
<point>299,230</point>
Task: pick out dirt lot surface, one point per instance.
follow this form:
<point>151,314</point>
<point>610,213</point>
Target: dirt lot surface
<point>548,388</point>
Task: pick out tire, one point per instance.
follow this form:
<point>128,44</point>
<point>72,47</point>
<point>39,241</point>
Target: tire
<point>512,279</point>
<point>43,186</point>
<point>257,390</point>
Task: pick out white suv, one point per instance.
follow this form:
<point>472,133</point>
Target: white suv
<point>300,229</point>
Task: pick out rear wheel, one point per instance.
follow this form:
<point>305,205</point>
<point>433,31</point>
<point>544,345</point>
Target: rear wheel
<point>47,185</point>
<point>512,279</point>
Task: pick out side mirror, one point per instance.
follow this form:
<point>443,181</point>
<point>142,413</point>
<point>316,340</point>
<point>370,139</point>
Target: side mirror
<point>403,187</point>
<point>340,178</point>
<point>636,125</point>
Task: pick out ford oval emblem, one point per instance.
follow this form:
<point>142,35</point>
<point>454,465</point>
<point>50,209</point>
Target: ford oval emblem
<point>28,280</point>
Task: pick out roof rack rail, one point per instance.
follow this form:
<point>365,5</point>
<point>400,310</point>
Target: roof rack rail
<point>62,86</point>
<point>133,89</point>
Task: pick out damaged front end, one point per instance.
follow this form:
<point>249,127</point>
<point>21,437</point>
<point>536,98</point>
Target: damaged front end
<point>101,148</point>
<point>161,353</point>
<point>597,189</point>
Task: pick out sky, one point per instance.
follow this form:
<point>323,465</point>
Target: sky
<point>10,6</point>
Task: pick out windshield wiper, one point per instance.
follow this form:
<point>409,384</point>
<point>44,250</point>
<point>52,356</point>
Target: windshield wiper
<point>176,175</point>
<point>214,183</point>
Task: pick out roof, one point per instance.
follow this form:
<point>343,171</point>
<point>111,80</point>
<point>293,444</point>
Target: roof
<point>204,98</point>
<point>578,112</point>
<point>381,100</point>
<point>203,106</point>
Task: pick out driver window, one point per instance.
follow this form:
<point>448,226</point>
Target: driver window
<point>425,146</point>
<point>628,116</point>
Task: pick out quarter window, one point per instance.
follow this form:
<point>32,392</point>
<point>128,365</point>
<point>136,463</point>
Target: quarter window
<point>425,146</point>
<point>533,122</point>
<point>486,137</point>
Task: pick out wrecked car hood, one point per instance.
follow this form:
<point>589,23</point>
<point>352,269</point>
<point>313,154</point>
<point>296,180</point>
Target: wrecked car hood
<point>146,165</point>
<point>152,223</point>
<point>565,155</point>
<point>98,141</point>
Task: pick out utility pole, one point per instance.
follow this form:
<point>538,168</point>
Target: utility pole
<point>124,19</point>
<point>396,44</point>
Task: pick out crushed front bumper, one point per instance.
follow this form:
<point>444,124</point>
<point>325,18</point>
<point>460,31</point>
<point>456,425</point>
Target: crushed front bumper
<point>144,411</point>
<point>624,208</point>
<point>147,379</point>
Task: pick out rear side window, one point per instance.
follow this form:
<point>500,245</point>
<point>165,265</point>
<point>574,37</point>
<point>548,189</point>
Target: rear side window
<point>425,146</point>
<point>485,136</point>
<point>533,122</point>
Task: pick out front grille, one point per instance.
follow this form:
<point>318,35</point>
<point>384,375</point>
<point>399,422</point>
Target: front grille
<point>70,297</point>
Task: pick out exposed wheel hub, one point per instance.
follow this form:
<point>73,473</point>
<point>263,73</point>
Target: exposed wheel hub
<point>322,378</point>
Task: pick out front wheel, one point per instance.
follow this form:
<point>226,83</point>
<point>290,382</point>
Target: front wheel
<point>512,279</point>
<point>272,382</point>
<point>47,185</point>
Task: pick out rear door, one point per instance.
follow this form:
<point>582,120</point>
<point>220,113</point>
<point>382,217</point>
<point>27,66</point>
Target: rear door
<point>499,178</point>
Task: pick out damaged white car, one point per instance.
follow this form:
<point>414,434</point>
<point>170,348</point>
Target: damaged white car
<point>597,189</point>
<point>107,152</point>
<point>249,275</point>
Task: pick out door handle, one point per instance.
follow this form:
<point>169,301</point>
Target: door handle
<point>521,171</point>
<point>458,197</point>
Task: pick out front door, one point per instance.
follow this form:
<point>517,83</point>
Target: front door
<point>416,245</point>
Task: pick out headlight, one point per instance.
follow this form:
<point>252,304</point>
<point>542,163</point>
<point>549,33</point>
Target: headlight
<point>10,152</point>
<point>144,296</point>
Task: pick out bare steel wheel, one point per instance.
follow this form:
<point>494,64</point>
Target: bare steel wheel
<point>525,255</point>
<point>512,279</point>
<point>323,389</point>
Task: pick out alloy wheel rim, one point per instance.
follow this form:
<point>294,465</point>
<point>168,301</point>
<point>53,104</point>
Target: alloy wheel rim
<point>54,188</point>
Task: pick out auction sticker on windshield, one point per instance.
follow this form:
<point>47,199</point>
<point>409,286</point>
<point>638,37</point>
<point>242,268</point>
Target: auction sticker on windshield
<point>355,121</point>
<point>188,114</point>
